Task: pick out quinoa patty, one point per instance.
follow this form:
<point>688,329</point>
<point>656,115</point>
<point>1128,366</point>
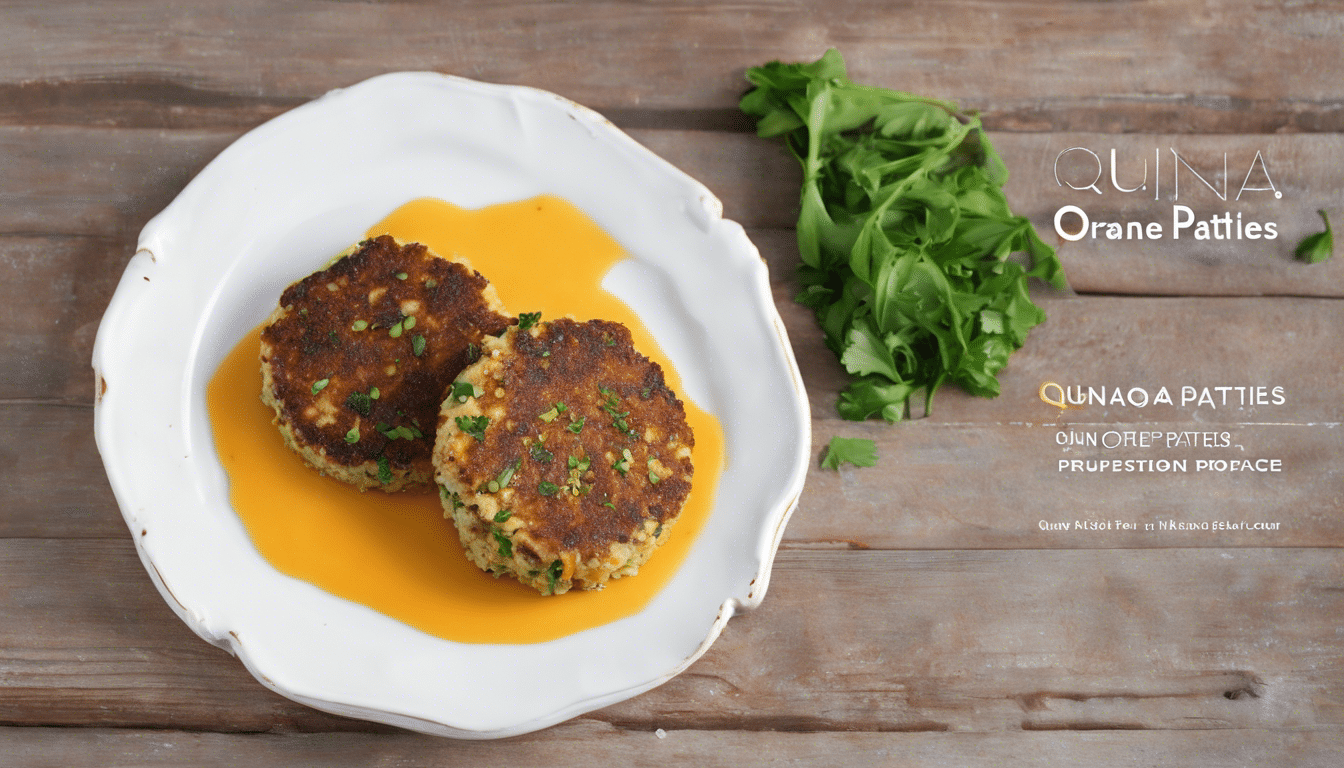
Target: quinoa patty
<point>356,358</point>
<point>562,455</point>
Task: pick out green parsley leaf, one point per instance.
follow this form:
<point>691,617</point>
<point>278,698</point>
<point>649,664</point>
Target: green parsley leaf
<point>505,545</point>
<point>527,320</point>
<point>373,393</point>
<point>904,234</point>
<point>503,515</point>
<point>417,345</point>
<point>359,403</point>
<point>546,488</point>
<point>320,385</point>
<point>463,390</point>
<point>1318,247</point>
<point>402,275</point>
<point>384,470</point>
<point>576,425</point>
<point>353,435</point>
<point>408,323</point>
<point>539,453</point>
<point>856,450</point>
<point>474,426</point>
<point>359,325</point>
<point>553,574</point>
<point>395,331</point>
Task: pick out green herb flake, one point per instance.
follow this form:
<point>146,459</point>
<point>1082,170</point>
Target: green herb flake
<point>653,478</point>
<point>384,470</point>
<point>418,345</point>
<point>473,352</point>
<point>320,385</point>
<point>547,488</point>
<point>359,403</point>
<point>1318,247</point>
<point>576,425</point>
<point>352,436</point>
<point>527,320</point>
<point>373,393</point>
<point>539,453</point>
<point>904,234</point>
<point>431,283</point>
<point>505,477</point>
<point>463,390</point>
<point>505,545</point>
<point>402,275</point>
<point>395,331</point>
<point>622,463</point>
<point>359,325</point>
<point>474,426</point>
<point>858,451</point>
<point>549,416</point>
<point>503,515</point>
<point>408,323</point>
<point>553,574</point>
<point>608,504</point>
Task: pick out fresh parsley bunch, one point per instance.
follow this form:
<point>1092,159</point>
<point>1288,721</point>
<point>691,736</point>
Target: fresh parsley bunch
<point>904,234</point>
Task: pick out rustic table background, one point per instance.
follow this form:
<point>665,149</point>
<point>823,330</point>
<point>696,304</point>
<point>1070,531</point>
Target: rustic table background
<point>916,614</point>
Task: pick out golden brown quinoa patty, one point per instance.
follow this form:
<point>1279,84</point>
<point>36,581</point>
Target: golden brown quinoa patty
<point>570,462</point>
<point>386,316</point>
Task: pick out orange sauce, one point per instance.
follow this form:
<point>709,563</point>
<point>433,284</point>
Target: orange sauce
<point>395,552</point>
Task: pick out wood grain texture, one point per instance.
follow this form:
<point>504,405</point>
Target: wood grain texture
<point>1030,65</point>
<point>586,742</point>
<point>976,473</point>
<point>847,640</point>
<point>104,184</point>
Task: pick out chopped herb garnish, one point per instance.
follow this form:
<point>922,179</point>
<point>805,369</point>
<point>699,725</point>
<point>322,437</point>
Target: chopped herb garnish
<point>474,426</point>
<point>418,345</point>
<point>622,463</point>
<point>856,450</point>
<point>580,464</point>
<point>502,481</point>
<point>359,325</point>
<point>608,503</point>
<point>576,426</point>
<point>547,488</point>
<point>505,545</point>
<point>561,407</point>
<point>359,403</point>
<point>320,385</point>
<point>612,407</point>
<point>653,478</point>
<point>431,283</point>
<point>353,435</point>
<point>549,416</point>
<point>465,389</point>
<point>395,331</point>
<point>402,275</point>
<point>373,393</point>
<point>539,453</point>
<point>553,574</point>
<point>503,515</point>
<point>384,471</point>
<point>527,320</point>
<point>473,352</point>
<point>408,323</point>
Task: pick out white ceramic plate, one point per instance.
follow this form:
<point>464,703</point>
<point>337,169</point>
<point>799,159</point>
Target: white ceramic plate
<point>272,208</point>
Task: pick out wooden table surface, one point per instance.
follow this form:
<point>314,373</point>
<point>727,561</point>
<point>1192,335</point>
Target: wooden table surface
<point>918,614</point>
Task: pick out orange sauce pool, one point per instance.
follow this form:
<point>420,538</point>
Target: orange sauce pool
<point>395,552</point>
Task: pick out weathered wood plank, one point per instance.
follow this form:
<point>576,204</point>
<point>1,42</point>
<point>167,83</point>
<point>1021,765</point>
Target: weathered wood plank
<point>1073,65</point>
<point>585,743</point>
<point>106,184</point>
<point>976,473</point>
<point>846,640</point>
